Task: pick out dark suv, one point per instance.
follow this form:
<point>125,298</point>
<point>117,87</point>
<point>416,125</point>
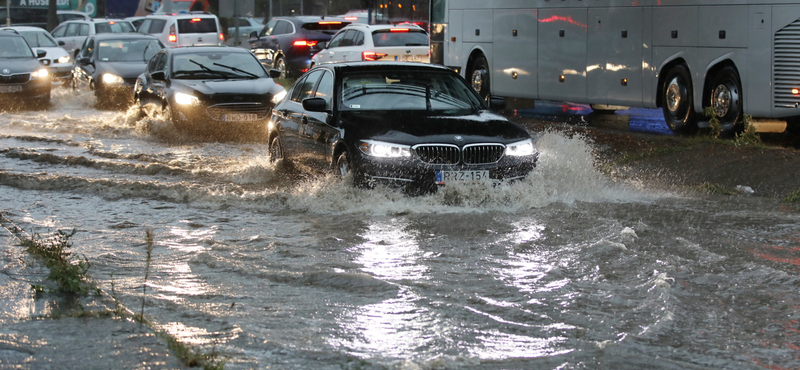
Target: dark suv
<point>288,43</point>
<point>22,76</point>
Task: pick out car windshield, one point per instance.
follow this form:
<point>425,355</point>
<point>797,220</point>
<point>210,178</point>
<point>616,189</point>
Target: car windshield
<point>399,37</point>
<point>408,91</point>
<point>216,65</point>
<point>133,50</point>
<point>14,47</point>
<point>39,39</point>
<point>113,27</point>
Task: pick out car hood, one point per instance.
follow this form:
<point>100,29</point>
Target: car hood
<point>122,69</point>
<point>232,86</point>
<point>410,128</point>
<point>18,65</point>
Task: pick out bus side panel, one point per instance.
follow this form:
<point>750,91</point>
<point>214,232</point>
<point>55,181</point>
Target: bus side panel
<point>757,79</point>
<point>478,25</point>
<point>453,41</point>
<point>785,25</point>
<point>597,45</point>
<point>624,58</point>
<point>723,26</point>
<point>675,26</point>
<point>514,71</point>
<point>649,71</point>
<point>562,54</point>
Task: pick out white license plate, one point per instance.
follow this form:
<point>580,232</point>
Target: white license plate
<point>444,177</point>
<point>10,88</point>
<point>240,117</point>
<point>410,58</point>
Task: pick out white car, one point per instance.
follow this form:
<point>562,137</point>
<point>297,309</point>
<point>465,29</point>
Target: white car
<point>57,59</point>
<point>184,29</point>
<point>73,33</point>
<point>376,42</point>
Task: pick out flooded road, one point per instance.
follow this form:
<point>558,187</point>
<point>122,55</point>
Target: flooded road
<point>565,270</point>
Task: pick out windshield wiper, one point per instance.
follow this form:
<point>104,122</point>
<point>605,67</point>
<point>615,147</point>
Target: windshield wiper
<point>203,67</point>
<point>253,75</point>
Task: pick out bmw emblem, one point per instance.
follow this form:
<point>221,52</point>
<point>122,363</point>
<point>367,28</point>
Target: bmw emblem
<point>6,71</point>
<point>459,138</point>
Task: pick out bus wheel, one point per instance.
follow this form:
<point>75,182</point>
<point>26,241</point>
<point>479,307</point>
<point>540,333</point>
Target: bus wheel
<point>676,101</point>
<point>726,100</point>
<point>479,77</point>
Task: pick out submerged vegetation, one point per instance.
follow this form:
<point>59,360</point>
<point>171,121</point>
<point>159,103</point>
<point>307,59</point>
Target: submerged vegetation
<point>793,197</point>
<point>67,270</point>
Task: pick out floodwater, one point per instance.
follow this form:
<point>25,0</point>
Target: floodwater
<point>566,270</point>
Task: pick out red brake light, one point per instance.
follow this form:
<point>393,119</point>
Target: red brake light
<point>112,22</point>
<point>329,22</point>
<point>304,43</point>
<point>221,36</point>
<point>351,18</point>
<point>398,30</point>
<point>371,56</point>
<point>172,37</point>
<point>194,20</point>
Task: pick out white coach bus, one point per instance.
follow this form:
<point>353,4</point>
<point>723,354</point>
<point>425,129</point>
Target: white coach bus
<point>737,56</point>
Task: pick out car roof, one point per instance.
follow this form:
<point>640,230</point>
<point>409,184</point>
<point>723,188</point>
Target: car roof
<point>355,66</point>
<point>311,18</point>
<point>23,28</point>
<point>123,36</point>
<point>383,26</point>
<point>10,33</point>
<point>195,49</point>
<point>195,14</point>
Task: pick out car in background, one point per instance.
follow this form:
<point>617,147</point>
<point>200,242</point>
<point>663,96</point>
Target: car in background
<point>210,91</point>
<point>190,29</point>
<point>57,59</point>
<point>246,27</point>
<point>68,15</point>
<point>22,77</point>
<point>413,125</point>
<point>288,43</point>
<point>110,63</point>
<point>136,21</point>
<point>73,33</point>
<point>377,42</point>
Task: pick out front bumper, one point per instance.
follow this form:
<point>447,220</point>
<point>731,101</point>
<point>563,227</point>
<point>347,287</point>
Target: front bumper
<point>18,91</point>
<point>224,118</point>
<point>415,174</point>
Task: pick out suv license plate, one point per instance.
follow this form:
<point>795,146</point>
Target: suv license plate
<point>240,117</point>
<point>444,177</point>
<point>10,88</point>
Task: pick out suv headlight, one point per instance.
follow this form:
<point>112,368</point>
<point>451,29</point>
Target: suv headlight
<point>64,59</point>
<point>185,99</point>
<point>111,79</point>
<point>384,150</point>
<point>520,148</point>
<point>42,73</point>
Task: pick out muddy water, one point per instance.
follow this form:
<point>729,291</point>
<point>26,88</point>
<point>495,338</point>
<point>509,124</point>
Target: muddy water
<point>566,270</point>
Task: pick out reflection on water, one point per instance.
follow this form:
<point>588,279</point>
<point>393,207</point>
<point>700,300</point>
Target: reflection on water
<point>632,119</point>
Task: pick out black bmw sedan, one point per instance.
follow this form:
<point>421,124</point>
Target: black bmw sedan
<point>411,124</point>
<point>210,91</point>
<point>109,63</point>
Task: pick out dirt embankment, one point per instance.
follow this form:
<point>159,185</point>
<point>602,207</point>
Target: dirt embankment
<point>699,162</point>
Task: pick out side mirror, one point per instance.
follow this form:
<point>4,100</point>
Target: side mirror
<point>40,53</point>
<point>315,105</point>
<point>254,35</point>
<point>158,76</point>
<point>85,61</point>
<point>323,45</point>
<point>274,73</point>
<point>61,43</point>
<point>496,103</point>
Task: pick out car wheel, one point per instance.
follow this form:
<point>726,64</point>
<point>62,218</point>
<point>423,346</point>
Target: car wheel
<point>676,101</point>
<point>167,115</point>
<point>280,64</point>
<point>137,102</point>
<point>343,165</point>
<point>726,101</point>
<point>479,77</point>
<point>275,149</point>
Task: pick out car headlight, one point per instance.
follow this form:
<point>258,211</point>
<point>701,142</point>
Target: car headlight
<point>64,59</point>
<point>384,150</point>
<point>520,148</point>
<point>42,73</point>
<point>111,79</point>
<point>185,99</point>
<point>277,98</point>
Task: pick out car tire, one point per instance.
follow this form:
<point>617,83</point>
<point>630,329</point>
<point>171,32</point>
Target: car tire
<point>275,149</point>
<point>479,79</point>
<point>168,115</point>
<point>280,64</point>
<point>677,101</point>
<point>725,98</point>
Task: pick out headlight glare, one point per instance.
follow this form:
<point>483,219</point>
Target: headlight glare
<point>185,99</point>
<point>520,148</point>
<point>111,79</point>
<point>42,73</point>
<point>384,150</point>
<point>64,59</point>
<point>279,97</point>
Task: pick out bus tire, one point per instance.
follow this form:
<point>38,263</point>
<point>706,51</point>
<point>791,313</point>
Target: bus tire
<point>726,101</point>
<point>676,101</point>
<point>478,75</point>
